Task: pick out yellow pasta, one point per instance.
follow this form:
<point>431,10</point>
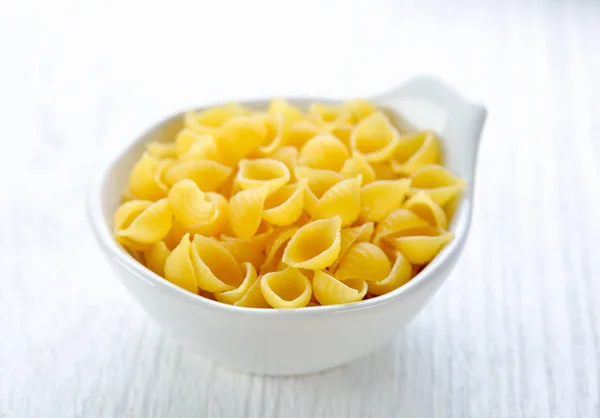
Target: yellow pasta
<point>288,288</point>
<point>142,179</point>
<point>314,246</point>
<point>285,206</point>
<point>425,208</point>
<point>179,269</point>
<point>400,274</point>
<point>438,182</point>
<point>246,211</point>
<point>208,121</point>
<point>161,150</point>
<point>232,296</point>
<point>240,136</point>
<point>328,290</point>
<point>381,197</point>
<point>342,199</point>
<point>364,261</point>
<point>421,245</point>
<point>375,138</point>
<point>156,257</point>
<point>216,269</point>
<point>207,174</point>
<point>414,151</point>
<point>349,236</point>
<point>146,227</point>
<point>267,172</point>
<point>324,152</point>
<point>356,165</point>
<point>288,207</point>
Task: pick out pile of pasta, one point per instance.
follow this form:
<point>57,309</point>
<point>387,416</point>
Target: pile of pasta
<point>286,208</point>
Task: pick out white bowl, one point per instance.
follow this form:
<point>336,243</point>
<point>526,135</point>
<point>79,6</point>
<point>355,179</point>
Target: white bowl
<point>287,342</point>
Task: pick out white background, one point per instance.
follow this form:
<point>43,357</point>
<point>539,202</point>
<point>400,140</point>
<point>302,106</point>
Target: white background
<point>515,332</point>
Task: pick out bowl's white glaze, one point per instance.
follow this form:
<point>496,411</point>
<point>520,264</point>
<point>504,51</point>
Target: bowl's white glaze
<point>285,342</point>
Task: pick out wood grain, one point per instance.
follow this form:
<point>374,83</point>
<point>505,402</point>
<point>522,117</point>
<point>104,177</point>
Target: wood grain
<point>515,332</point>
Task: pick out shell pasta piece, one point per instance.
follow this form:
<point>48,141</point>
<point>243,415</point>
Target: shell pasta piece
<point>249,250</point>
<point>364,261</point>
<point>285,206</point>
<point>288,288</point>
<point>246,211</point>
<point>328,290</point>
<point>149,226</point>
<point>232,296</point>
<point>375,138</point>
<point>397,221</point>
<point>142,179</point>
<point>425,208</point>
<point>421,245</point>
<point>208,121</point>
<point>186,138</point>
<point>272,174</point>
<point>314,246</point>
<point>357,165</point>
<point>253,298</point>
<point>349,236</point>
<point>275,249</point>
<point>240,136</point>
<point>216,269</point>
<point>161,150</point>
<point>381,197</point>
<point>179,269</point>
<point>325,152</point>
<point>414,151</point>
<point>342,199</point>
<point>325,114</point>
<point>207,174</point>
<point>288,112</point>
<point>300,132</point>
<point>400,274</point>
<point>360,109</point>
<point>189,203</point>
<point>205,148</point>
<point>438,182</point>
<point>287,155</point>
<point>156,257</point>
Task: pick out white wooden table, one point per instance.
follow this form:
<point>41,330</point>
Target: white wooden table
<point>515,332</point>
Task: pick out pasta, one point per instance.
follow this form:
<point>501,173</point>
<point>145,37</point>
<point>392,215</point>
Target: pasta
<point>287,207</point>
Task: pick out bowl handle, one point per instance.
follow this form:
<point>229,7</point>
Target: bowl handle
<point>465,120</point>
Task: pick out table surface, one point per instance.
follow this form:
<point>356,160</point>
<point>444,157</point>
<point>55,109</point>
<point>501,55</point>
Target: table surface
<point>514,332</point>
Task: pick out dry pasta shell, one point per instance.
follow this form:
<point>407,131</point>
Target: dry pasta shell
<point>179,269</point>
<point>325,114</point>
<point>162,168</point>
<point>401,273</point>
<point>360,109</point>
<point>232,296</point>
<point>314,246</point>
<point>253,298</point>
<point>246,211</point>
<point>276,133</point>
<point>216,269</point>
<point>161,150</point>
<point>208,121</point>
<point>328,290</point>
<point>142,179</point>
<point>262,172</point>
<point>384,171</point>
<point>149,226</point>
<point>381,197</point>
<point>156,257</point>
<point>202,149</point>
<point>275,248</point>
<point>364,261</point>
<point>285,206</point>
<point>287,155</point>
<point>356,165</point>
<point>414,151</point>
<point>186,138</point>
<point>127,212</point>
<point>208,175</point>
<point>425,208</point>
<point>438,182</point>
<point>421,245</point>
<point>397,221</point>
<point>300,132</point>
<point>240,136</point>
<point>289,113</point>
<point>342,199</point>
<point>342,131</point>
<point>375,138</point>
<point>325,152</point>
<point>349,236</point>
<point>217,223</point>
<point>189,204</point>
<point>288,288</point>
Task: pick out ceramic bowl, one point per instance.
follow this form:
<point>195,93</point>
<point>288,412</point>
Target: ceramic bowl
<point>287,342</point>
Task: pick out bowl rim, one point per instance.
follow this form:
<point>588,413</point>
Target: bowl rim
<point>113,250</point>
